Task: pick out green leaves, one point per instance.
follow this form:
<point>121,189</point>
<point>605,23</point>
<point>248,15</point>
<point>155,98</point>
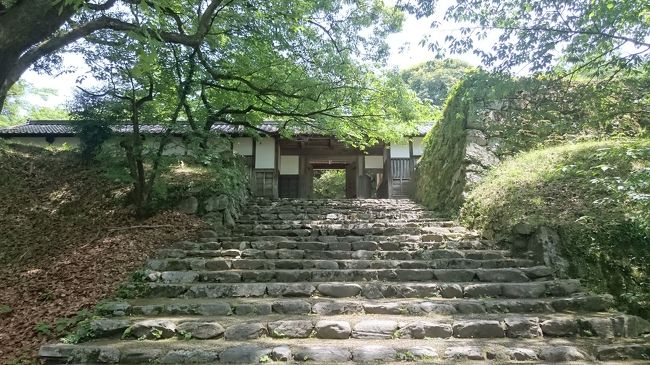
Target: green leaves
<point>591,36</point>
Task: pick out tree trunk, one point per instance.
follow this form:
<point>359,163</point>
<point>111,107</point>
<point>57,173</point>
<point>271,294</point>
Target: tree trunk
<point>22,26</point>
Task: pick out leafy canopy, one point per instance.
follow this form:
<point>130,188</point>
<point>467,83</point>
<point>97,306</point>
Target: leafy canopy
<point>303,64</point>
<point>598,36</point>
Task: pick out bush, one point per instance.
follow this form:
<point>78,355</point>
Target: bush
<point>202,172</point>
<point>596,195</point>
<point>329,184</point>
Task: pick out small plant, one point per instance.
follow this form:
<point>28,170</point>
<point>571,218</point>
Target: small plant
<point>277,333</point>
<point>265,358</point>
<point>406,356</point>
<point>5,309</point>
<point>43,328</point>
<point>185,336</point>
<point>127,333</point>
<point>156,333</point>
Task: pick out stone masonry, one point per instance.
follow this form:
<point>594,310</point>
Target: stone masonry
<point>331,281</point>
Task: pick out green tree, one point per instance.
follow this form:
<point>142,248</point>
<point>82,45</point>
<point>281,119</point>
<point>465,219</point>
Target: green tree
<point>33,31</point>
<point>304,65</point>
<point>18,109</point>
<point>329,184</point>
<point>432,80</point>
<point>598,36</point>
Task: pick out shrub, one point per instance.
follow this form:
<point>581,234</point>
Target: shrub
<point>329,184</point>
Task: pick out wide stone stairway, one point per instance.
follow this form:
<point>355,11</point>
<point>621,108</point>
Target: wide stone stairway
<point>334,281</point>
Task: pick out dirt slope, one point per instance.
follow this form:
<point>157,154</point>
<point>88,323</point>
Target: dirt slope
<point>66,242</point>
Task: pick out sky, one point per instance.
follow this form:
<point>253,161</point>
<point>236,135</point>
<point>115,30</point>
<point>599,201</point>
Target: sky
<point>405,52</point>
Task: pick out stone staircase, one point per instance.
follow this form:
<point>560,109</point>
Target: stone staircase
<point>361,281</point>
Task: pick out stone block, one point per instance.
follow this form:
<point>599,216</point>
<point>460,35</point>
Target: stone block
<point>333,329</point>
<point>375,329</point>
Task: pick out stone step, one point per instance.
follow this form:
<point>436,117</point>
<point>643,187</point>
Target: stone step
<point>345,215</point>
<point>385,327</point>
<point>330,252</point>
<point>286,224</point>
<point>340,220</point>
<point>175,351</point>
<point>174,264</point>
<point>436,307</point>
<point>374,290</point>
<point>315,231</point>
<point>507,275</point>
<point>385,243</point>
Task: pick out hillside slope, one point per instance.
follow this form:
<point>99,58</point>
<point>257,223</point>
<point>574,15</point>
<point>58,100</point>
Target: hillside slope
<point>66,242</point>
<point>595,195</point>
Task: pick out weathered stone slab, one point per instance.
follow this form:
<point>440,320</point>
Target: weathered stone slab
<point>483,290</point>
<point>248,290</point>
<point>213,309</point>
<point>560,327</point>
<point>459,353</point>
<point>478,329</point>
<point>623,352</point>
<point>561,354</point>
<point>420,330</point>
<point>524,290</point>
<point>460,275</point>
<point>243,355</point>
<point>418,353</point>
<point>384,308</point>
<point>527,327</point>
<point>334,308</point>
<point>502,275</point>
<point>201,330</point>
<point>290,328</point>
<point>290,289</point>
<point>375,329</point>
<point>106,327</point>
<point>339,290</point>
<point>244,309</point>
<point>377,354</point>
<point>322,354</point>
<point>292,307</point>
<point>245,331</point>
<point>153,329</point>
<point>596,327</point>
<point>189,357</point>
<point>333,329</point>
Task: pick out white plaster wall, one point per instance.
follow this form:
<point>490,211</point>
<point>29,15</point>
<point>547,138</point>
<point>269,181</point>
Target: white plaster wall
<point>243,146</point>
<point>418,148</point>
<point>374,162</point>
<point>400,150</point>
<point>289,165</point>
<point>265,153</point>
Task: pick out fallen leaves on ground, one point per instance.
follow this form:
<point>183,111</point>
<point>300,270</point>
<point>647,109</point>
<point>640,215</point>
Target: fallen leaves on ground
<point>66,242</point>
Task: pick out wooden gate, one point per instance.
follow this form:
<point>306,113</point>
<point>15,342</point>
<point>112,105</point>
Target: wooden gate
<point>401,169</point>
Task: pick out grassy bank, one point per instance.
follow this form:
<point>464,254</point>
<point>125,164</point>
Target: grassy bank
<point>596,195</point>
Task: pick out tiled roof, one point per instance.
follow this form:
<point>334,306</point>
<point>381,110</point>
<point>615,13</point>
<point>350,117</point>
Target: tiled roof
<point>64,128</point>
